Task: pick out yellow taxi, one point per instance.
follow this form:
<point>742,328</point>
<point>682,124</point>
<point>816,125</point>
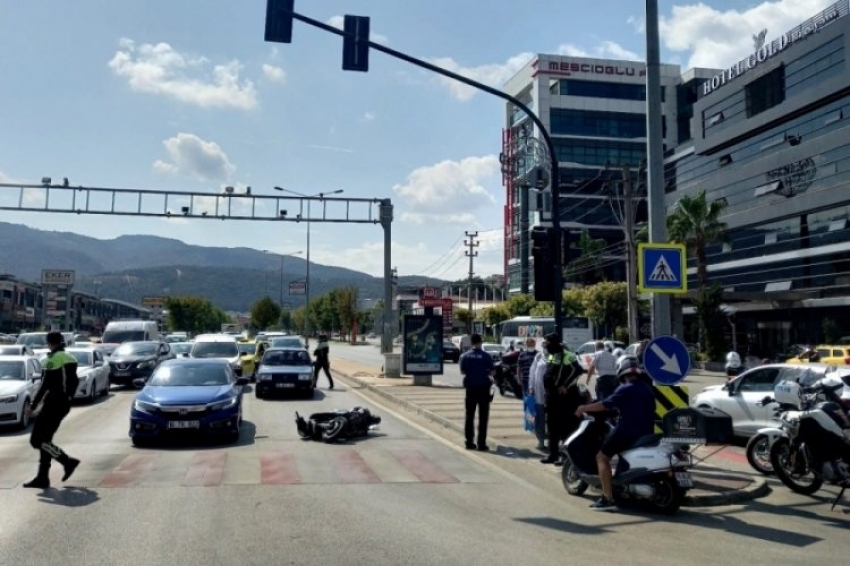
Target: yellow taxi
<point>249,354</point>
<point>824,354</point>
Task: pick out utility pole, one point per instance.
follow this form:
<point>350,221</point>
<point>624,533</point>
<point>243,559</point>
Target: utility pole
<point>629,232</point>
<point>523,238</point>
<point>471,253</point>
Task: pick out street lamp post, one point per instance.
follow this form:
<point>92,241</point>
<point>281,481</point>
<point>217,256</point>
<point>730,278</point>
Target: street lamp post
<point>307,281</point>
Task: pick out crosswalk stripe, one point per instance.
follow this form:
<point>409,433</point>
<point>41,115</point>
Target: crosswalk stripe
<point>351,468</point>
<point>207,469</point>
<point>422,467</point>
<point>129,471</point>
<point>278,468</point>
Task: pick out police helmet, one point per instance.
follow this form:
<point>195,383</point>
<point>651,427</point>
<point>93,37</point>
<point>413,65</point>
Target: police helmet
<point>618,353</point>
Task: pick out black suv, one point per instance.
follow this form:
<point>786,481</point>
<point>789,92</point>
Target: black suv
<point>133,360</point>
<point>450,351</point>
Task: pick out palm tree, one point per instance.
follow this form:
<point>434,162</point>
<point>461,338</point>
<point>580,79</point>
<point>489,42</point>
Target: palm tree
<point>696,223</point>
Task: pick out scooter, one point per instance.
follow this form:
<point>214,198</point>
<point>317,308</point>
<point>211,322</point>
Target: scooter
<point>653,470</point>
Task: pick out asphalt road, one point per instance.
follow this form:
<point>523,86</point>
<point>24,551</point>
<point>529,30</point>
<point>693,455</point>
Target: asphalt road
<point>402,496</point>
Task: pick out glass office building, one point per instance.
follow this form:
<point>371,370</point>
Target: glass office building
<point>771,138</point>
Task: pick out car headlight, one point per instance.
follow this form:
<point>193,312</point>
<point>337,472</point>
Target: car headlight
<point>304,377</point>
<point>145,407</point>
<point>8,399</point>
<point>224,404</point>
<point>147,365</point>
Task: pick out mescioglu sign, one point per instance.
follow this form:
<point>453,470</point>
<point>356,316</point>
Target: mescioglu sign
<point>775,47</point>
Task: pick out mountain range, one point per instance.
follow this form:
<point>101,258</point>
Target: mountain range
<point>135,266</point>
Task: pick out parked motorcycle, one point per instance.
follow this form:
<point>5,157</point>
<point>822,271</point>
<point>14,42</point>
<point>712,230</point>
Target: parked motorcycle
<point>650,471</point>
<point>338,425</point>
<point>505,375</point>
<point>816,448</point>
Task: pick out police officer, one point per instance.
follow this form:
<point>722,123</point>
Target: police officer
<point>477,369</point>
<point>562,395</point>
<point>59,384</point>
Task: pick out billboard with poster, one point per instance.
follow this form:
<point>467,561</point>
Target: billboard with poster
<point>423,344</point>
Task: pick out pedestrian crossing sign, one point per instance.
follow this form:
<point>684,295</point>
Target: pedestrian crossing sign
<point>662,268</point>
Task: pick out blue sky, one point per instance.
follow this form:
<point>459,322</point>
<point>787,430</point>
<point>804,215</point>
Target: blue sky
<point>186,95</point>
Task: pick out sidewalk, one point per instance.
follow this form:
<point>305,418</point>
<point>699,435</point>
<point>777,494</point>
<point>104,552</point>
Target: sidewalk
<point>445,406</point>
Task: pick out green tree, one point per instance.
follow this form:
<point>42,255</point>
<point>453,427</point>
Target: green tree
<point>495,314</point>
<point>464,317</point>
<point>346,308</point>
<point>520,305</point>
<point>606,304</point>
<point>572,302</point>
<point>195,315</point>
<point>286,320</point>
<point>696,223</point>
<point>831,331</point>
<point>299,319</point>
<point>587,267</point>
<point>712,322</point>
<point>264,313</point>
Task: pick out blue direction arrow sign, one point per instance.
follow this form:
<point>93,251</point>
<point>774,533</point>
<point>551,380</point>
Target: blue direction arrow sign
<point>666,360</point>
<point>662,268</point>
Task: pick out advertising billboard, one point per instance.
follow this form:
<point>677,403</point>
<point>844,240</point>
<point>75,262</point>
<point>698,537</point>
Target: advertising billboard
<point>423,344</point>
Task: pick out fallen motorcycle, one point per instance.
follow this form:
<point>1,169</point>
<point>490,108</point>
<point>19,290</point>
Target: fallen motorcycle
<point>336,426</point>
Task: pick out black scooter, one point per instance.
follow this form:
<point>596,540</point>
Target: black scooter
<point>505,375</point>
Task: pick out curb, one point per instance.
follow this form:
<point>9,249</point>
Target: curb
<point>758,486</point>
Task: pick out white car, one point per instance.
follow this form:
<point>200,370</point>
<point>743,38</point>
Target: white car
<point>740,397</point>
<point>20,378</point>
<point>93,372</point>
<point>496,351</point>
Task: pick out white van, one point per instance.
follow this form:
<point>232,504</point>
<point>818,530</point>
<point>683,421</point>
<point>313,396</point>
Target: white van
<point>122,331</point>
<point>222,346</point>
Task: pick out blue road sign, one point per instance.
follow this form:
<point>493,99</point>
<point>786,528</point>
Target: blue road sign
<point>662,268</point>
<point>666,360</point>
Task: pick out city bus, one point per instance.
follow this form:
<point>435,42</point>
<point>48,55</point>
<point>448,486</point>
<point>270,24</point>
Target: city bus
<point>576,330</point>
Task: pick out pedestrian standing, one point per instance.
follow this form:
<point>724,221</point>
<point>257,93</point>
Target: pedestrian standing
<point>562,396</point>
<point>477,369</point>
<point>524,360</point>
<point>323,362</point>
<point>58,387</point>
<point>536,388</point>
<point>604,365</point>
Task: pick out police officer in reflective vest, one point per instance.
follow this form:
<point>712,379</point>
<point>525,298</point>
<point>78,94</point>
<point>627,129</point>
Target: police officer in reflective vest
<point>562,396</point>
<point>477,368</point>
<point>58,386</point>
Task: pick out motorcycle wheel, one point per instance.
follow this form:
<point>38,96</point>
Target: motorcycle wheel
<point>570,477</point>
<point>758,454</point>
<point>780,456</point>
<point>668,496</point>
<point>334,429</point>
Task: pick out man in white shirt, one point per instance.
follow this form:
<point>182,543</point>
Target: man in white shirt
<point>604,365</point>
<point>536,388</point>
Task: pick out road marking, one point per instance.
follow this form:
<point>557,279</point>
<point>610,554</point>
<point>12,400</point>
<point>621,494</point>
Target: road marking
<point>278,468</point>
<point>351,468</point>
<point>129,471</point>
<point>207,469</point>
<point>423,468</point>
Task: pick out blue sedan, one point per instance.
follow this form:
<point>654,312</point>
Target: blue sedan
<point>188,395</point>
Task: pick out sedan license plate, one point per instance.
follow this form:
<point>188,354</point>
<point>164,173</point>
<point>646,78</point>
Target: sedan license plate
<point>684,479</point>
<point>284,385</point>
<point>183,424</point>
<point>121,373</point>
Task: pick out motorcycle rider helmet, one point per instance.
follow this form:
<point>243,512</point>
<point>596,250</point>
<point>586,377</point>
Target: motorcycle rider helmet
<point>628,366</point>
<point>618,353</point>
<point>733,360</point>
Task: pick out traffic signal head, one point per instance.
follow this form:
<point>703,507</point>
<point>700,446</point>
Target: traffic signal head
<point>355,44</point>
<point>279,20</point>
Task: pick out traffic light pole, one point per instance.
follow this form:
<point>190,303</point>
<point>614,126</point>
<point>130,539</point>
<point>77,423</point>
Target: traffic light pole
<point>283,12</point>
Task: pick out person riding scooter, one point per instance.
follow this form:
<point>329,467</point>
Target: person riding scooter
<point>635,402</point>
<point>733,366</point>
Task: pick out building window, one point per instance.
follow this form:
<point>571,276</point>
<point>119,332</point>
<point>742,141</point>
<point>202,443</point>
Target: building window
<point>766,92</point>
<point>593,89</point>
<point>599,152</point>
<point>563,121</point>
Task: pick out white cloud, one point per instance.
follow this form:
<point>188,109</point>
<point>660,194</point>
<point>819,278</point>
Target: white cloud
<point>369,116</point>
<point>273,74</point>
<point>339,23</point>
<point>194,157</point>
<point>368,257</point>
<point>159,69</point>
<point>605,50</point>
<point>719,39</point>
<point>494,75</point>
<point>450,186</point>
<point>431,219</point>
